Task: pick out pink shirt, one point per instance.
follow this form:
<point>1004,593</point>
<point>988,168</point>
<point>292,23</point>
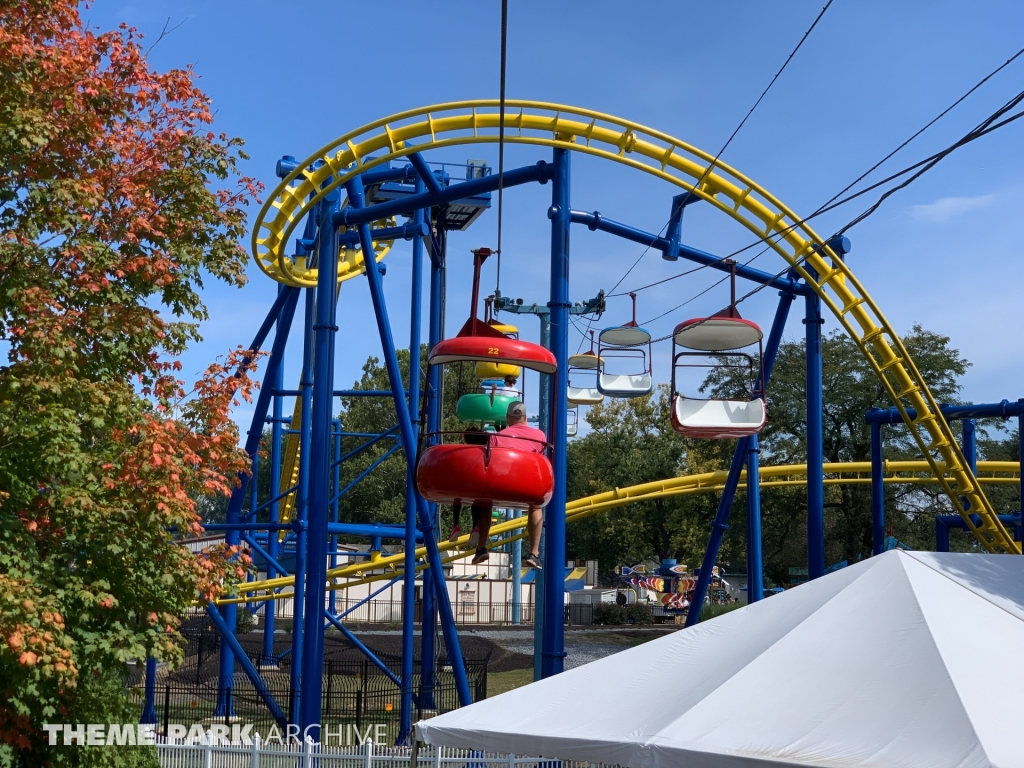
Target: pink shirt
<point>536,440</point>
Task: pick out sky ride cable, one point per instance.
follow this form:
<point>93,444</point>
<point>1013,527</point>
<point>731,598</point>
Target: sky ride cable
<point>832,202</point>
<point>501,137</point>
<point>725,146</point>
<point>927,125</point>
<point>711,166</point>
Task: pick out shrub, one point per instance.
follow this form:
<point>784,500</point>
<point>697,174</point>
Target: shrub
<point>638,613</point>
<point>709,611</point>
<point>609,613</point>
<point>245,621</point>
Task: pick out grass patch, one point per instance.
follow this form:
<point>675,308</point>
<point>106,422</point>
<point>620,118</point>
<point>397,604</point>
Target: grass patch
<point>500,682</point>
<point>717,609</point>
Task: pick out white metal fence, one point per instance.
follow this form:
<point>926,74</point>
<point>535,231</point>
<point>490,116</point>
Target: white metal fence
<point>259,754</point>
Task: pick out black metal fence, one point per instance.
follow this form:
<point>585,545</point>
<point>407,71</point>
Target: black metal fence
<point>355,691</point>
<point>352,697</point>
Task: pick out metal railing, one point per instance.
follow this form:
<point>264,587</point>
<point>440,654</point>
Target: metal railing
<point>210,752</point>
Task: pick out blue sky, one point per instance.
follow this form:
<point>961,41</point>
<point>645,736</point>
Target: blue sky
<point>945,253</point>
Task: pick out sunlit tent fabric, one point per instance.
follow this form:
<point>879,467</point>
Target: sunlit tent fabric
<point>905,659</point>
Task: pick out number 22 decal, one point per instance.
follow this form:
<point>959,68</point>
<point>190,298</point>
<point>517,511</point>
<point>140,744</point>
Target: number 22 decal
<point>492,351</point>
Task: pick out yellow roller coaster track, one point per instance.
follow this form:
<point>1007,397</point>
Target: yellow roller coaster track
<point>786,475</point>
<point>656,153</point>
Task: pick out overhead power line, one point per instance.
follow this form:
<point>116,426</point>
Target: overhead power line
<point>832,203</point>
<point>988,125</point>
<point>725,146</point>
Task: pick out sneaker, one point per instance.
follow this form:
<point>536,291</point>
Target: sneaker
<point>533,561</point>
<point>455,534</point>
<point>474,539</point>
<point>481,556</point>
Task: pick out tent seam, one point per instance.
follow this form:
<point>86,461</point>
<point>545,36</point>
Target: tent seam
<point>938,651</point>
<point>772,645</point>
<point>950,578</point>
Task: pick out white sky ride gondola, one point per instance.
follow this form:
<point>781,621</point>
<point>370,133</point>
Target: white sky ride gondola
<point>721,334</point>
<point>627,342</point>
<point>590,363</point>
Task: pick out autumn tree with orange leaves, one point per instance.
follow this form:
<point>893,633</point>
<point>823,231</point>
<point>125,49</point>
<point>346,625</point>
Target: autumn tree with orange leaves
<point>116,201</point>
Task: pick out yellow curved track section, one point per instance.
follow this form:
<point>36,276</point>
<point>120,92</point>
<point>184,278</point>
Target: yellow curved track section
<point>656,153</point>
<point>786,475</point>
<point>297,272</point>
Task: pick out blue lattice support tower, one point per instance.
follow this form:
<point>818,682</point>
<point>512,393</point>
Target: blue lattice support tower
<point>879,417</point>
<point>409,584</point>
<point>435,382</point>
<point>282,310</point>
<point>325,329</point>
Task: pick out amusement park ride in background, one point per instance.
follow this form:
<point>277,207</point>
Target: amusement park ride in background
<point>347,198</point>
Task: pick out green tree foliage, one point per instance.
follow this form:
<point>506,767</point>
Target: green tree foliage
<point>110,219</point>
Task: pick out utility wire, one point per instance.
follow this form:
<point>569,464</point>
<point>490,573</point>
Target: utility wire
<point>832,202</point>
<point>984,127</point>
<point>501,134</point>
<point>927,125</point>
<point>988,125</point>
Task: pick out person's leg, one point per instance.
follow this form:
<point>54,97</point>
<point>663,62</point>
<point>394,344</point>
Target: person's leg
<point>482,515</point>
<point>534,524</point>
<point>456,514</point>
<point>474,534</point>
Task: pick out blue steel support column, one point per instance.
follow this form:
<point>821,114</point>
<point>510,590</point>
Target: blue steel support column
<point>302,510</point>
<point>332,601</point>
<point>544,422</point>
<point>721,521</point>
<point>970,449</point>
<point>149,710</point>
<point>517,577</point>
<point>755,563</point>
<point>428,609</point>
<point>877,490</point>
<point>409,585</point>
<point>718,529</point>
<point>451,637</point>
<point>553,643</point>
<point>325,329</point>
<point>815,440</point>
<point>1020,458</point>
<point>970,444</point>
<point>273,547</point>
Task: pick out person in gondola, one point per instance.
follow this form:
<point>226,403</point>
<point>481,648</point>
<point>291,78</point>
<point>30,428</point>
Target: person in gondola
<point>508,389</point>
<point>519,436</point>
<point>472,436</point>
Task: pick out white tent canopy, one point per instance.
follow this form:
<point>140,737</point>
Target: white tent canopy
<point>906,659</point>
